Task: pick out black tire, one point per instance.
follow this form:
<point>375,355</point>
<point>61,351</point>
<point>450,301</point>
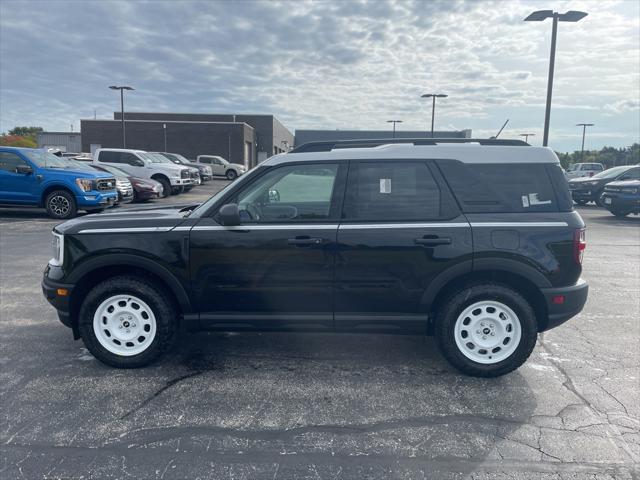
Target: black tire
<point>154,295</point>
<point>580,202</point>
<point>620,213</point>
<point>453,307</point>
<point>231,175</point>
<point>61,204</point>
<point>166,186</point>
<point>598,201</point>
<point>177,190</point>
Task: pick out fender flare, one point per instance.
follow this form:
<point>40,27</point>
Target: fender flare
<point>477,266</point>
<point>129,260</point>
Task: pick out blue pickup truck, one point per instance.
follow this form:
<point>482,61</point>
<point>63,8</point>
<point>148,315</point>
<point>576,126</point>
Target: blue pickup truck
<point>36,178</point>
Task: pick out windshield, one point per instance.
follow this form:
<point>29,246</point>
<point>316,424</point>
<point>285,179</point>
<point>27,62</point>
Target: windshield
<point>114,170</point>
<point>612,172</point>
<point>45,159</point>
<point>173,158</point>
<point>572,168</point>
<point>180,158</point>
<point>154,157</point>
<point>75,165</point>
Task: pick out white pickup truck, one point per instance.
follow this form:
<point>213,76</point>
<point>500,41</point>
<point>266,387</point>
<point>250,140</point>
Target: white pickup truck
<point>579,170</point>
<point>139,163</point>
<point>219,166</point>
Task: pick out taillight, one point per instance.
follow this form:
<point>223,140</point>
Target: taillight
<point>579,244</point>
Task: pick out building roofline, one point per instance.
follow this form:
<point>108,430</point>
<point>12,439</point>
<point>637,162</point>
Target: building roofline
<point>164,121</point>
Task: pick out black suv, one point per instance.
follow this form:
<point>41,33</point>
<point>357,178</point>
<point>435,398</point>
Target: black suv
<point>475,242</point>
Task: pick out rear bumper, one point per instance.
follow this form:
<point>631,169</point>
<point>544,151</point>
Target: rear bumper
<point>588,195</point>
<point>574,298</point>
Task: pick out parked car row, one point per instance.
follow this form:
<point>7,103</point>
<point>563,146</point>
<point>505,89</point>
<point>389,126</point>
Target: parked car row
<point>616,189</point>
<point>65,184</point>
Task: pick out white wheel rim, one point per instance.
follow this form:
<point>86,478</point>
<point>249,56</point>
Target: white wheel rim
<point>124,325</point>
<point>487,332</point>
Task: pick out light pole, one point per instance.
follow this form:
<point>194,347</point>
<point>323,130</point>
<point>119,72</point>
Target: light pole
<point>527,135</point>
<point>539,16</point>
<point>584,128</point>
<point>164,128</point>
<point>122,89</point>
<point>394,125</point>
<point>433,106</point>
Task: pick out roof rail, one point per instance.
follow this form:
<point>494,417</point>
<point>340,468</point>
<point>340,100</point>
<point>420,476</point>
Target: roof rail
<point>328,145</point>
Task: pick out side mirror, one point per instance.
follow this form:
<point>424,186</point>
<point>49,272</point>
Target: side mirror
<point>25,169</point>
<point>229,215</point>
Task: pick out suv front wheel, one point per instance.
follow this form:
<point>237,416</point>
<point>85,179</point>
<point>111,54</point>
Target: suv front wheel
<point>127,322</point>
<point>486,330</point>
<point>61,204</point>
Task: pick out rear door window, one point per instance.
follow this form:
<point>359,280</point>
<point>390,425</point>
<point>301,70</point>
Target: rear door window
<point>109,157</point>
<point>393,190</point>
<point>504,188</point>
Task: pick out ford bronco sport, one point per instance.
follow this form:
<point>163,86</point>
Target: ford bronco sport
<point>472,241</point>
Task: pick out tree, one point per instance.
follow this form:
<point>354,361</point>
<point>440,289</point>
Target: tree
<point>18,141</point>
<point>608,156</point>
<point>26,131</point>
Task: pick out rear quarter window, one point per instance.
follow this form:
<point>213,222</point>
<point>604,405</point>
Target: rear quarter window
<point>505,188</point>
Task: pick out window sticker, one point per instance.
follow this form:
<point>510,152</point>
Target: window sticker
<point>385,185</point>
<point>534,200</point>
<point>525,201</point>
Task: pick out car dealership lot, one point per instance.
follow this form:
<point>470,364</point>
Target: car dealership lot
<point>320,406</point>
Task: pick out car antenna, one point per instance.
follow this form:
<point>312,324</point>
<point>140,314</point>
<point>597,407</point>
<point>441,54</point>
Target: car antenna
<point>500,131</point>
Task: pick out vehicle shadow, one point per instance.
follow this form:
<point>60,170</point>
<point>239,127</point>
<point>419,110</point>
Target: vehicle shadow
<point>364,405</point>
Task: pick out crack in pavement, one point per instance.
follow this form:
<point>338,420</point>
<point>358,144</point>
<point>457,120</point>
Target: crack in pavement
<point>569,385</point>
<point>157,393</point>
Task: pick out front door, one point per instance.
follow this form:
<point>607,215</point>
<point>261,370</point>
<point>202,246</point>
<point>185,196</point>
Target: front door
<point>15,187</point>
<point>276,269</point>
<point>400,230</point>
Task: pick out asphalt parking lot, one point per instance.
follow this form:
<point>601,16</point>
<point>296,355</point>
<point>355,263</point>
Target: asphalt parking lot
<point>279,406</point>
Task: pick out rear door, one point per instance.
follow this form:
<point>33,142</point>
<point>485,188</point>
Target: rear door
<point>400,231</point>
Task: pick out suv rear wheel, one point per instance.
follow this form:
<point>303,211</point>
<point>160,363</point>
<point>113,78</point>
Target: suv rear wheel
<point>486,330</point>
<point>61,204</point>
<point>231,174</point>
<point>127,322</point>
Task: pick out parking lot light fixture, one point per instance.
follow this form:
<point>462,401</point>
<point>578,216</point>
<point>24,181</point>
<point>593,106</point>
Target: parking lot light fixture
<point>122,89</point>
<point>394,125</point>
<point>433,96</point>
<point>527,135</point>
<point>584,128</point>
<point>539,16</point>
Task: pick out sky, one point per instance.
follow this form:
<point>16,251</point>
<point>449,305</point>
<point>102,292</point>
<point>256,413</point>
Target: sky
<point>327,64</point>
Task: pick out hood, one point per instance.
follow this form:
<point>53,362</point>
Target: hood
<point>78,173</point>
<point>156,218</point>
<point>624,183</point>
<point>585,179</point>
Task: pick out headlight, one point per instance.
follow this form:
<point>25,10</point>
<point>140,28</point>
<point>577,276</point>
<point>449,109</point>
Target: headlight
<point>208,170</point>
<point>185,173</point>
<point>592,184</point>
<point>632,190</point>
<point>84,184</point>
<point>57,247</point>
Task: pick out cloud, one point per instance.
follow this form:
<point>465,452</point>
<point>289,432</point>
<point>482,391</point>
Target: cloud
<point>330,64</point>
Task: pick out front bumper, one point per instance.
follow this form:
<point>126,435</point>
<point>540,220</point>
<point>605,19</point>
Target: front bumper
<point>574,298</point>
<point>51,290</point>
<point>97,199</point>
<point>125,198</point>
<point>588,195</point>
<point>180,182</point>
<point>619,201</point>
